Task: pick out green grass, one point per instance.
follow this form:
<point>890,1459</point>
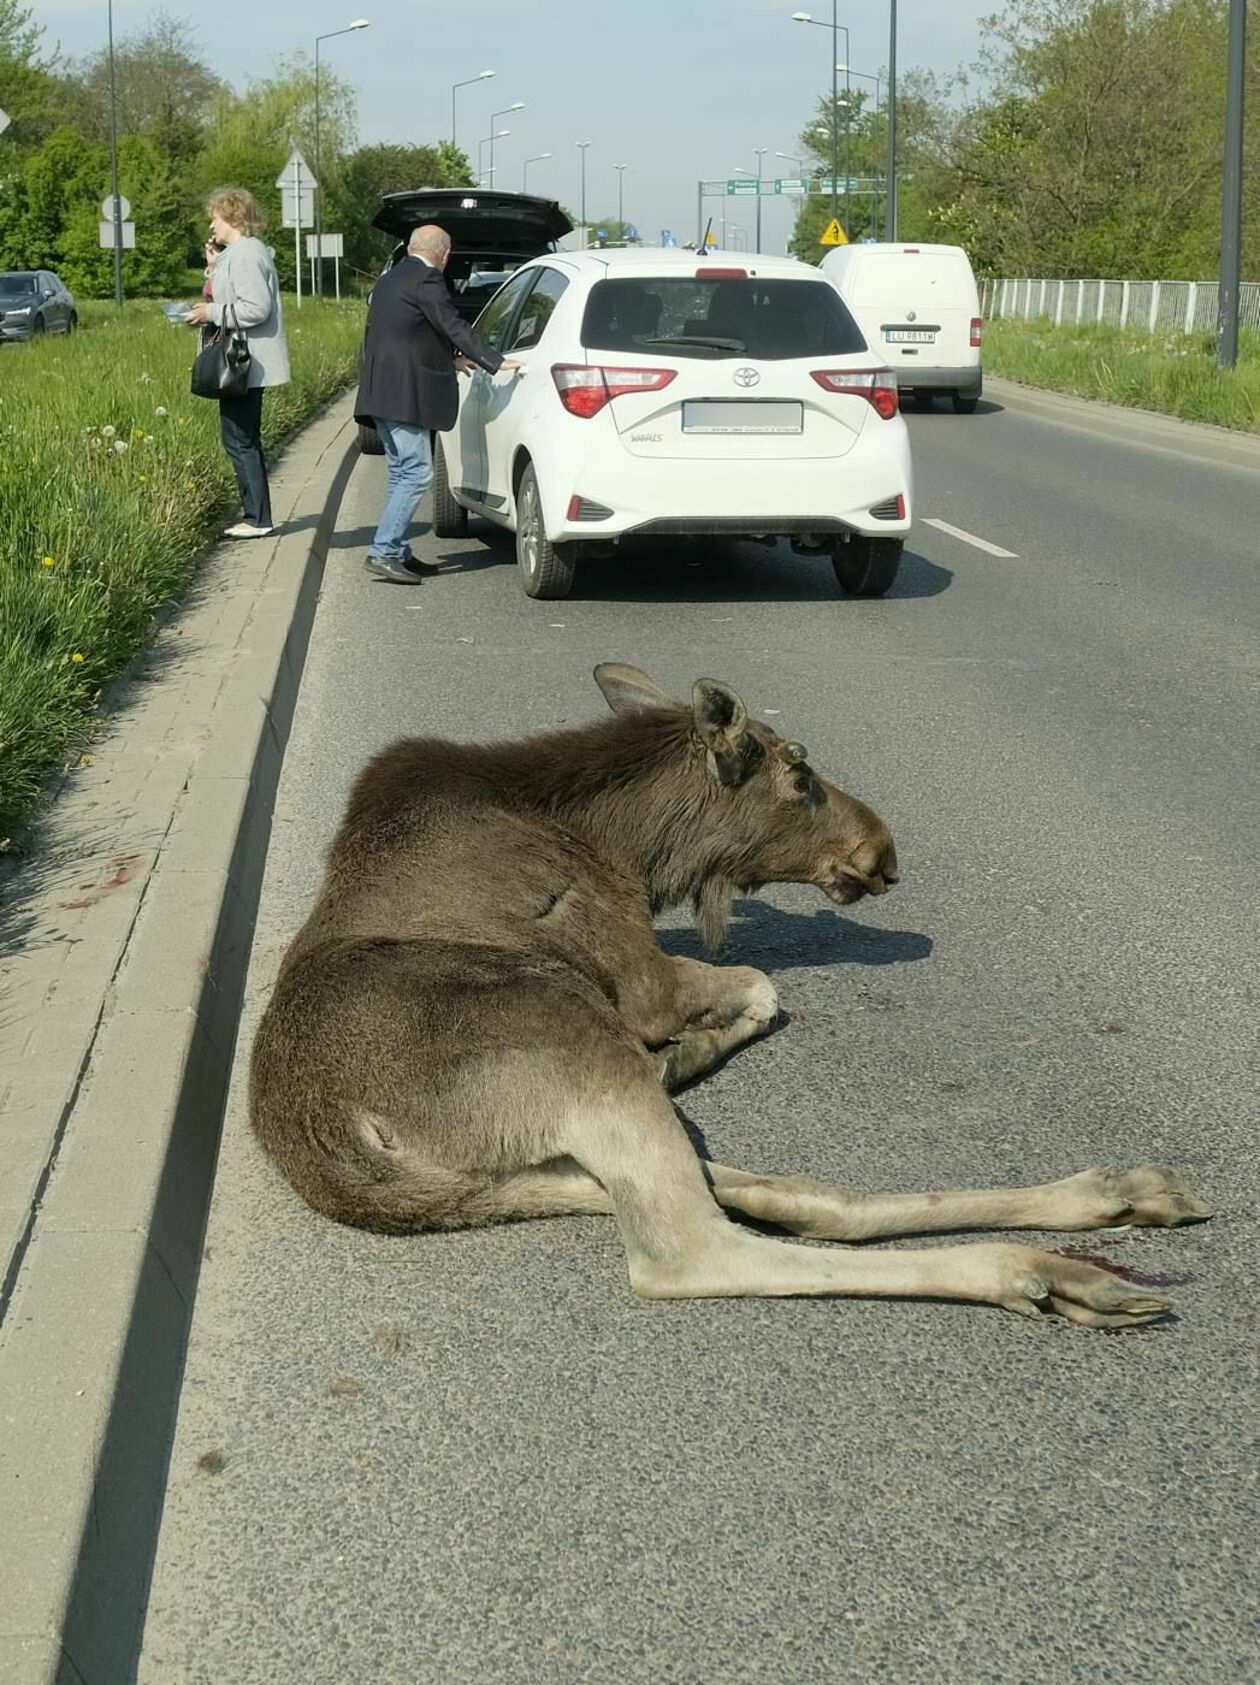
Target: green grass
<point>1175,374</point>
<point>112,479</point>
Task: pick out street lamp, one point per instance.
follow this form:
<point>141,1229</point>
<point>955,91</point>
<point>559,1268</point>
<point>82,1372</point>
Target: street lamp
<point>481,152</point>
<point>359,23</point>
<point>536,159</point>
<point>113,152</point>
<point>582,146</point>
<point>837,28</point>
<point>879,82</point>
<point>621,181</point>
<point>1231,188</point>
<point>516,105</point>
<point>481,76</point>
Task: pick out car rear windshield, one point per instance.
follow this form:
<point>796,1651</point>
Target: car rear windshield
<point>683,316</point>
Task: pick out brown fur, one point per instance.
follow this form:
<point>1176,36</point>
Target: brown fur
<point>477,1023</point>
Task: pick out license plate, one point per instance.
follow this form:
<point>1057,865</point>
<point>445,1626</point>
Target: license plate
<point>910,336</point>
<point>742,416</point>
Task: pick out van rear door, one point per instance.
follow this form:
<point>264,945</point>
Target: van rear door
<point>916,308</point>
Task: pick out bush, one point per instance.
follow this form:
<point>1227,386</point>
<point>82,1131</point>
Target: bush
<point>111,478</point>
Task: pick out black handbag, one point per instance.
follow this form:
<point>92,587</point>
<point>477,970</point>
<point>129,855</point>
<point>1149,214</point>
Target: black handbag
<point>221,368</point>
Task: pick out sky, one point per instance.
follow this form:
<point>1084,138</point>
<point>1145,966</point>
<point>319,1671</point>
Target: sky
<point>676,90</point>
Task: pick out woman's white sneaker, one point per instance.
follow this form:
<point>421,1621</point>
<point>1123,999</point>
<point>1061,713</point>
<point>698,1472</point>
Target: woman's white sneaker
<point>246,529</point>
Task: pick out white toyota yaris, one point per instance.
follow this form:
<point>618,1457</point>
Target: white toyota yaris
<point>663,392</point>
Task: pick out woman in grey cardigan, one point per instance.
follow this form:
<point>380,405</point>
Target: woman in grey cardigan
<point>245,290</point>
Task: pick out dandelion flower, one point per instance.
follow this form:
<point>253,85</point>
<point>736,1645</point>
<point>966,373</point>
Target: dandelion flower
<point>48,561</point>
<point>148,438</point>
<point>120,445</point>
<point>87,760</point>
<point>108,432</point>
<point>161,410</point>
<point>183,421</point>
<point>143,479</point>
<point>76,657</point>
<point>137,432</point>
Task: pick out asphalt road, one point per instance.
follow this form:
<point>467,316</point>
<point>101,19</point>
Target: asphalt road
<point>474,1458</point>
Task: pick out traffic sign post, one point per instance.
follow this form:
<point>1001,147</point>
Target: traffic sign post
<point>115,232</point>
<point>319,246</point>
<point>297,186</point>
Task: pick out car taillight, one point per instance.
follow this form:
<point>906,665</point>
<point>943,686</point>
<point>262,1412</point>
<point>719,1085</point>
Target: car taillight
<point>584,388</point>
<point>877,386</point>
<point>975,330</point>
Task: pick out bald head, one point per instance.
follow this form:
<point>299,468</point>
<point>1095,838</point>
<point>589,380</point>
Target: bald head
<point>430,242</point>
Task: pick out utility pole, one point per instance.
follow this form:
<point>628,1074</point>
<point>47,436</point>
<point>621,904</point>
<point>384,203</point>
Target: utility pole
<point>1231,191</point>
<point>113,153</point>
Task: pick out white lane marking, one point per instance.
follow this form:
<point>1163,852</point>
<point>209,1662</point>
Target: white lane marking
<point>970,538</point>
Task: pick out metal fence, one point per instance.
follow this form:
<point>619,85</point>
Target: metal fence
<point>1174,306</point>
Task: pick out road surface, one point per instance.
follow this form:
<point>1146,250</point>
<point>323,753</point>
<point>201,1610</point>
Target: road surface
<point>474,1458</point>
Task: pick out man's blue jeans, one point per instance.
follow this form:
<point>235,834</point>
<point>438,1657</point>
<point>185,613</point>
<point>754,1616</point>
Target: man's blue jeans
<point>410,472</point>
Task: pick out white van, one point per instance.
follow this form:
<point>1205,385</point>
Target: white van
<point>919,309</point>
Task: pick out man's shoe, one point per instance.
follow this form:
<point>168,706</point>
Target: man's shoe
<point>391,567</point>
<point>247,529</point>
<point>416,565</point>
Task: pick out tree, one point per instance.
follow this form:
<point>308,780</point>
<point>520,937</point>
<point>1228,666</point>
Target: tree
<point>363,180</point>
<point>163,89</point>
<point>29,86</point>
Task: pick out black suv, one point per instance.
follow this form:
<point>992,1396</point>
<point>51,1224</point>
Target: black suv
<point>491,234</point>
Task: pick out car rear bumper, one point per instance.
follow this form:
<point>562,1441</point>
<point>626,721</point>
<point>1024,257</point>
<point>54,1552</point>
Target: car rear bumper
<point>791,499</point>
<point>967,381</point>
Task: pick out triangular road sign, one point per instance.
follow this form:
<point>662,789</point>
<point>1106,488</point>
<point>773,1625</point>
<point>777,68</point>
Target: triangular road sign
<point>835,235</point>
<point>296,165</point>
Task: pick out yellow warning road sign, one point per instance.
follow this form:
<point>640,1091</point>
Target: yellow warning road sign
<point>835,235</point>
<point>710,238</point>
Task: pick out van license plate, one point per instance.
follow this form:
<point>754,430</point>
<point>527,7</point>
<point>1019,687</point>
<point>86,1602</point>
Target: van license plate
<point>909,336</point>
<point>742,416</point>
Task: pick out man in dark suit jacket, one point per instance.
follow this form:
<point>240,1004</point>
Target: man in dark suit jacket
<point>408,387</point>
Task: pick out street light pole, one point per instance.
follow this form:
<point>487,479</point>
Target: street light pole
<point>837,29</point>
<point>621,182</point>
<point>1231,190</point>
<point>890,212</point>
<point>113,152</point>
<point>516,105</point>
<point>359,23</point>
<point>488,140</point>
<point>481,76</point>
<point>536,159</point>
<point>760,152</point>
<point>582,146</point>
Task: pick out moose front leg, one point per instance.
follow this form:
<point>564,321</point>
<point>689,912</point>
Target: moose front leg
<point>720,1008</point>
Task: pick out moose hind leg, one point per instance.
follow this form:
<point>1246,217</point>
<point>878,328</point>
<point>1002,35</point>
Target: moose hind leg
<point>1094,1199</point>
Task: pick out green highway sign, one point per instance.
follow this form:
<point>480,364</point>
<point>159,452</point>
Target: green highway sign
<point>741,185</point>
<point>784,185</point>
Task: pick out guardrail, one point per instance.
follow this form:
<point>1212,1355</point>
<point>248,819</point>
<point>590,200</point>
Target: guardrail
<point>1174,306</point>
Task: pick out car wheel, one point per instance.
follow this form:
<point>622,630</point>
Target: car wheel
<point>964,405</point>
<point>72,322</point>
<point>38,326</point>
<point>450,519</point>
<point>370,441</point>
<point>546,568</point>
<point>866,567</point>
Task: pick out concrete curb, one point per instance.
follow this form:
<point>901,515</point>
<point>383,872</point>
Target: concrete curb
<point>1219,445</point>
<point>105,1274</point>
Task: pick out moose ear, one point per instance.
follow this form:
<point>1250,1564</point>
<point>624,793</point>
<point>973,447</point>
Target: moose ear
<point>627,690</point>
<point>722,722</point>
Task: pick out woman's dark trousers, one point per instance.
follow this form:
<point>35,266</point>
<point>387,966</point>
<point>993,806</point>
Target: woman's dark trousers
<point>240,427</point>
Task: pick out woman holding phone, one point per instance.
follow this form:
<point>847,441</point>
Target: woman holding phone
<point>245,292</point>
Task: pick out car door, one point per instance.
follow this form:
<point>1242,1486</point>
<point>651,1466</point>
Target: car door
<point>505,395</point>
<point>50,304</point>
<point>494,324</point>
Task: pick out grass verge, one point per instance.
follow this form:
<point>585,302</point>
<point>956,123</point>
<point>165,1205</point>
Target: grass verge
<point>112,479</point>
<point>1174,374</point>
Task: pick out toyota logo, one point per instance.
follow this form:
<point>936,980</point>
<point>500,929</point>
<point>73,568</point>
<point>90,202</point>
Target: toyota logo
<point>746,377</point>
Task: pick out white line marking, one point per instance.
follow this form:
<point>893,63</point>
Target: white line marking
<point>970,538</point>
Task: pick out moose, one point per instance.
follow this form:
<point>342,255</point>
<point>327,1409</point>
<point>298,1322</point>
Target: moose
<point>477,1022</point>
